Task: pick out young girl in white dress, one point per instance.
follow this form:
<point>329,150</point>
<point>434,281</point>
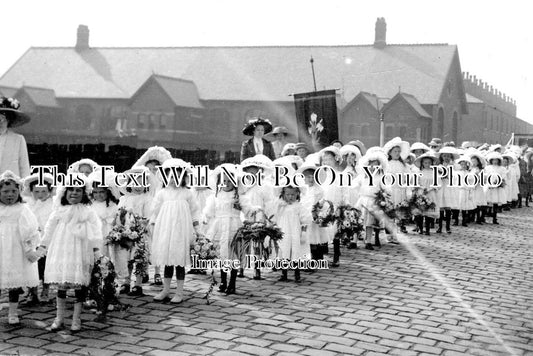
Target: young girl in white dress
<point>255,198</point>
<point>153,158</point>
<point>40,203</point>
<point>466,193</point>
<point>495,194</point>
<point>19,237</point>
<point>137,199</point>
<point>511,189</point>
<point>478,163</point>
<point>72,237</point>
<point>397,152</point>
<point>447,195</point>
<point>350,157</point>
<point>372,215</point>
<point>426,218</point>
<point>175,222</point>
<point>312,194</point>
<point>292,218</point>
<point>222,211</point>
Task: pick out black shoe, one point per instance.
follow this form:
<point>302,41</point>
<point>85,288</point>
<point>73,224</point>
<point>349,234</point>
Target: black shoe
<point>145,279</point>
<point>495,222</point>
<point>403,229</point>
<point>257,278</point>
<point>241,275</point>
<point>124,289</point>
<point>368,246</point>
<point>448,231</point>
<point>157,280</point>
<point>283,278</point>
<point>230,290</point>
<point>427,233</point>
<point>136,291</point>
<point>334,264</point>
<point>464,224</point>
<point>439,230</point>
<point>352,245</point>
<point>222,288</point>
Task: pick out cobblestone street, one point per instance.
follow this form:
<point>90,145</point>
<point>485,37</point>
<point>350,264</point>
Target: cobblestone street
<point>470,292</point>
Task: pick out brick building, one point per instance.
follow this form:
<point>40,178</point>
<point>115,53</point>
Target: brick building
<point>195,100</point>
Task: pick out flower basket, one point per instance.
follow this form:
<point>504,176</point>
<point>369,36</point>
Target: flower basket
<point>204,248</point>
<point>323,213</point>
<point>348,222</point>
<point>261,236</point>
<point>420,203</point>
<point>384,202</point>
<point>102,287</point>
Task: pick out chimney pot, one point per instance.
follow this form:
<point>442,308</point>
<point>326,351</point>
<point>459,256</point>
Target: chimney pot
<point>380,40</point>
<point>82,41</point>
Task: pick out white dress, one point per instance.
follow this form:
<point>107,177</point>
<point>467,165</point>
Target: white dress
<point>351,193</point>
<point>496,195</point>
<point>42,211</point>
<point>316,234</point>
<point>366,202</point>
<point>448,196</point>
<point>70,235</point>
<point>174,211</point>
<point>290,218</point>
<point>18,234</point>
<point>256,197</point>
<point>107,215</point>
<point>335,193</point>
<point>466,193</point>
<point>202,196</point>
<point>398,194</point>
<point>224,221</point>
<point>426,182</point>
<point>479,194</point>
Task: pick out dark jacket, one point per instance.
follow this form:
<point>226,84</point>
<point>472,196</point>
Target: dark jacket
<point>248,149</point>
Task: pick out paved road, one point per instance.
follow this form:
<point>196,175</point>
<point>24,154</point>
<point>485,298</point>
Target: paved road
<point>466,293</point>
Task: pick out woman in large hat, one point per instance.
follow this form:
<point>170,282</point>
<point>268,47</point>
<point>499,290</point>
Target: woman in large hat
<point>13,150</point>
<point>280,134</point>
<point>257,127</point>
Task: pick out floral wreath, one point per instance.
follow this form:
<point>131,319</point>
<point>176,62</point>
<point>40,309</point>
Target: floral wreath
<point>323,213</point>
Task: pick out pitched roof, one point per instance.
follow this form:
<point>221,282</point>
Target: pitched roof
<point>40,96</point>
<point>238,73</point>
<point>470,99</point>
<point>412,101</point>
<point>182,92</point>
<point>372,99</point>
<point>8,91</point>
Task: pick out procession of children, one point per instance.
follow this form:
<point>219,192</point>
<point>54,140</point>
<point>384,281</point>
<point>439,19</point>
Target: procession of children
<point>55,237</point>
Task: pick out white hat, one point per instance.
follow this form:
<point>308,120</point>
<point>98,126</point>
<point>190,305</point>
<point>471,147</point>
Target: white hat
<point>47,177</point>
<point>419,146</point>
<point>260,161</point>
<point>137,170</point>
<point>374,154</point>
<point>397,142</point>
<point>289,160</point>
<point>75,167</point>
<point>288,146</point>
<point>430,154</point>
<point>96,177</point>
<point>76,177</point>
<point>495,147</point>
<point>511,157</point>
<point>332,149</point>
<point>8,175</point>
<point>313,159</point>
<point>448,150</point>
<point>464,158</point>
<point>160,154</point>
<point>347,149</point>
<point>477,154</point>
<point>493,155</point>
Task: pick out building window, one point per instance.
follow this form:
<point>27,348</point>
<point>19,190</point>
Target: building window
<point>152,122</point>
<point>455,126</point>
<point>389,131</point>
<point>351,130</point>
<point>84,116</point>
<point>141,121</point>
<point>441,122</point>
<point>402,132</point>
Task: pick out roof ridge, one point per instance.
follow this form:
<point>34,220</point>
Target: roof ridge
<point>34,87</point>
<point>172,78</point>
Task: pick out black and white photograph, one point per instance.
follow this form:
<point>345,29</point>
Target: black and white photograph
<point>266,178</point>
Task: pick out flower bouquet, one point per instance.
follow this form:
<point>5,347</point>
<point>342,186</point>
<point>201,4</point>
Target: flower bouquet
<point>131,231</point>
<point>205,250</point>
<point>263,236</point>
<point>384,203</point>
<point>102,287</point>
<point>404,210</point>
<point>420,202</point>
<point>323,213</point>
<point>348,221</point>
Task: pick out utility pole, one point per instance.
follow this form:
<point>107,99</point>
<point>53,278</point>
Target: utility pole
<point>313,70</point>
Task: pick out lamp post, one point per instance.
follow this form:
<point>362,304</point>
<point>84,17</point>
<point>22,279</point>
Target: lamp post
<point>381,129</point>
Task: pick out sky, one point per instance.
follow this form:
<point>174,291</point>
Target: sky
<point>494,37</point>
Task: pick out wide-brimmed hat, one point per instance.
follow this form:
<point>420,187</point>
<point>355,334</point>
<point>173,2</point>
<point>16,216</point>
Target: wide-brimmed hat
<point>448,150</point>
<point>397,142</point>
<point>10,108</point>
<point>137,170</point>
<point>333,150</point>
<point>463,158</point>
<point>307,166</point>
<point>157,153</point>
<point>9,175</point>
<point>374,154</point>
<point>292,160</point>
<point>79,180</point>
<point>260,161</point>
<point>96,177</point>
<point>516,150</point>
<point>249,127</point>
<point>475,153</point>
<point>359,145</point>
<point>429,154</point>
<point>47,178</point>
<point>419,146</point>
<point>348,149</point>
<point>280,130</point>
<point>288,146</point>
<point>75,167</point>
<point>435,142</point>
<point>449,144</point>
<point>511,157</point>
<point>466,145</point>
<point>493,155</point>
<point>231,168</point>
<point>313,159</point>
<point>495,147</point>
<point>302,145</point>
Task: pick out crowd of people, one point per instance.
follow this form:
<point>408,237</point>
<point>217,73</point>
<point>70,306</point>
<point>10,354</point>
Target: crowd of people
<point>55,235</point>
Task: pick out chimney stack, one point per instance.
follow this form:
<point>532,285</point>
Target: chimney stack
<point>82,41</point>
<point>381,33</point>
